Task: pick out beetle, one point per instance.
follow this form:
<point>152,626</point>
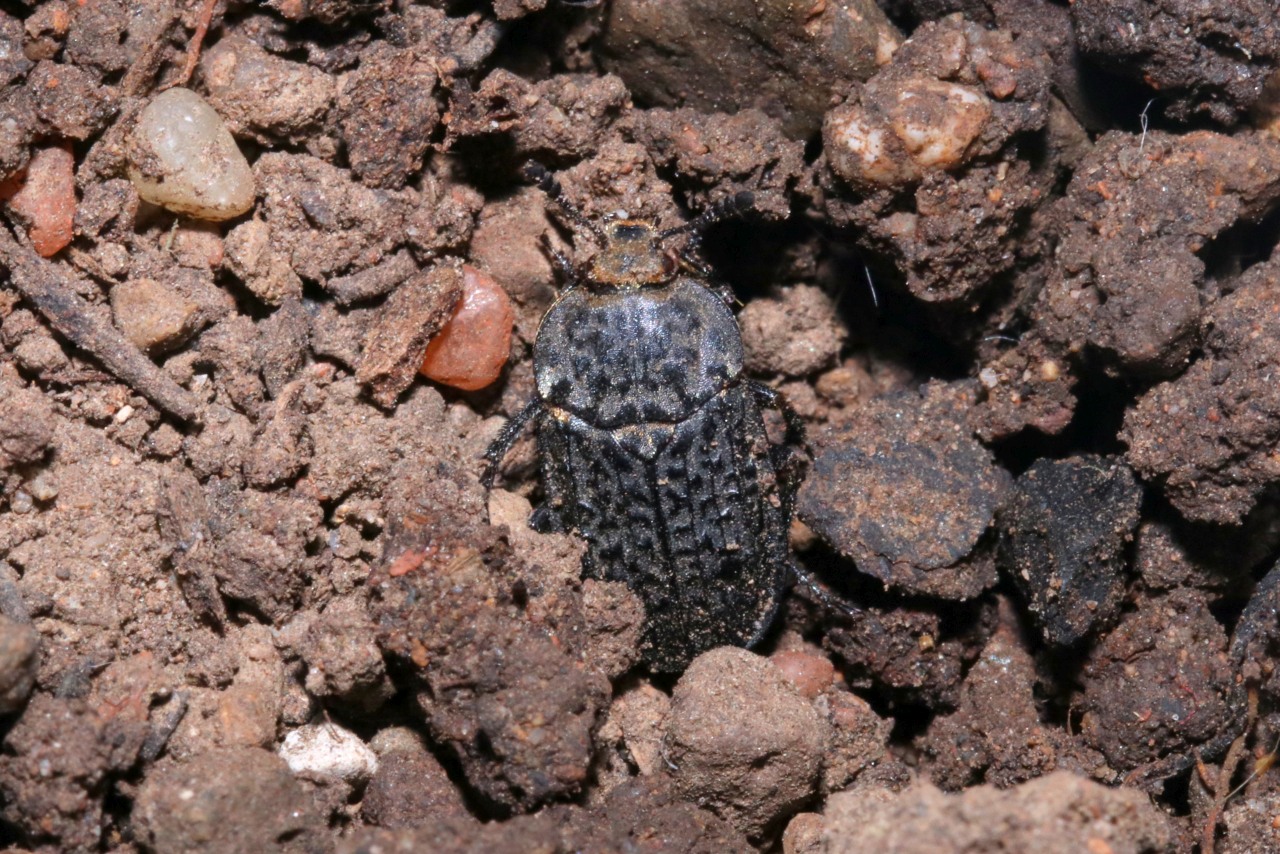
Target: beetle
<point>652,443</point>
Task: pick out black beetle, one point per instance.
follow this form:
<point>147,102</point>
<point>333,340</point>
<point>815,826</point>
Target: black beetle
<point>652,443</point>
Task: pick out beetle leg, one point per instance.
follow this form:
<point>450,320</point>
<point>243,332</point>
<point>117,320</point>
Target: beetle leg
<point>689,258</point>
<point>545,520</point>
<point>773,399</point>
<point>564,267</point>
<point>726,294</point>
<point>693,264</point>
<point>501,445</point>
<point>820,593</point>
<point>786,457</point>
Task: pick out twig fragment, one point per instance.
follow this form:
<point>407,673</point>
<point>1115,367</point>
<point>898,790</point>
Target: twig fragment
<point>193,46</point>
<point>1222,788</point>
<point>45,285</point>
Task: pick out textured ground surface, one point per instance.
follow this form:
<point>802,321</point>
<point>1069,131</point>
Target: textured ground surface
<point>1010,260</point>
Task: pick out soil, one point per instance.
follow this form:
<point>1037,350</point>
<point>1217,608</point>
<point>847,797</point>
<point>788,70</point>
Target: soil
<point>1011,261</point>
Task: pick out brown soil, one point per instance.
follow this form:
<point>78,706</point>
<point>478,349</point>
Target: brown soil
<point>1010,260</point>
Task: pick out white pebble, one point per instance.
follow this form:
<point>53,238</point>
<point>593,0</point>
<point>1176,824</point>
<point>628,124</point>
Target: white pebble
<point>183,158</point>
<point>937,121</point>
<point>328,749</point>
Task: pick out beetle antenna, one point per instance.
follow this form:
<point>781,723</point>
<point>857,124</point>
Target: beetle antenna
<point>541,176</point>
<point>723,209</point>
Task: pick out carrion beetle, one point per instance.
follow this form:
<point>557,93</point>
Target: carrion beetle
<point>652,443</point>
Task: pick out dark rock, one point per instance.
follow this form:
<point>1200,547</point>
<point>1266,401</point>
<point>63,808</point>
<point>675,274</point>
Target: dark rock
<point>1063,536</point>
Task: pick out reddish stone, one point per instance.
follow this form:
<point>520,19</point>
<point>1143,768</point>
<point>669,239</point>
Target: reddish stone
<point>46,201</point>
<point>471,350</point>
<point>810,674</point>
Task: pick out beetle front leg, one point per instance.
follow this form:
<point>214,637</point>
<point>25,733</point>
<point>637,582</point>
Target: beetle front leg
<point>506,439</point>
<point>564,267</point>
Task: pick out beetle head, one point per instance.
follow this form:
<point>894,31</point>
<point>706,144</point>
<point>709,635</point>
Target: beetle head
<point>632,256</point>
<point>632,253</point>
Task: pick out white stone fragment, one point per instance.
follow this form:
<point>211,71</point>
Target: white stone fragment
<point>183,158</point>
<point>937,121</point>
<point>328,749</point>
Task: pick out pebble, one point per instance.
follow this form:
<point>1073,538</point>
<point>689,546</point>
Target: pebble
<point>46,199</point>
<point>152,316</point>
<point>808,673</point>
<point>939,121</point>
<point>331,750</point>
<point>183,158</point>
<point>472,349</point>
<point>42,487</point>
<point>930,127</point>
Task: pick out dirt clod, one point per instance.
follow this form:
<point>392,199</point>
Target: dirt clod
<point>343,664</point>
<point>1139,213</point>
<point>387,115</point>
<point>19,658</point>
<point>265,97</point>
<point>227,801</point>
<point>1184,433</point>
<point>721,154</point>
<point>498,654</point>
<point>720,66</point>
<point>398,340</point>
<point>917,653</point>
<point>27,423</point>
<point>69,100</point>
<point>410,789</point>
<point>1057,814</point>
<point>909,495</point>
<point>53,771</point>
<point>795,336</point>
<point>1212,65</point>
<point>1158,684</point>
<point>929,145</point>
<point>995,734</point>
<point>751,756</point>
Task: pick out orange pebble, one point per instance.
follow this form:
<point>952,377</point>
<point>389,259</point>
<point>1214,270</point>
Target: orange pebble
<point>47,198</point>
<point>471,350</point>
<point>810,674</point>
